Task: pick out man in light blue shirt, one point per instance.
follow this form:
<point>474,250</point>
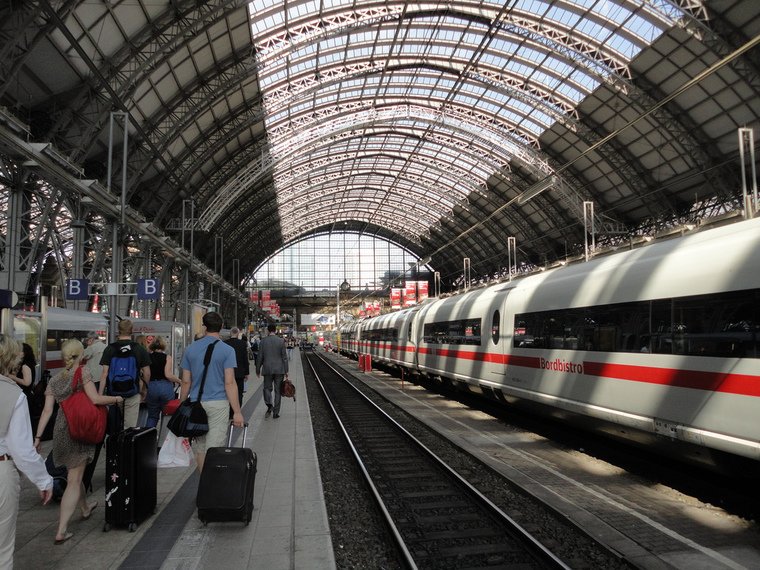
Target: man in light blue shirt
<point>219,391</point>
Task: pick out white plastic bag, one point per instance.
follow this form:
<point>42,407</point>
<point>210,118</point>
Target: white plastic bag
<point>175,452</point>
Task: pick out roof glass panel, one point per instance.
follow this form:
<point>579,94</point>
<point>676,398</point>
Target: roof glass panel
<point>428,87</point>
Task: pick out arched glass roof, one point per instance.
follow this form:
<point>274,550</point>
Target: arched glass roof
<point>392,113</point>
<point>445,127</point>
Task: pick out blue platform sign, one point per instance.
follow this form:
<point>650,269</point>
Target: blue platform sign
<point>148,289</point>
<point>77,289</point>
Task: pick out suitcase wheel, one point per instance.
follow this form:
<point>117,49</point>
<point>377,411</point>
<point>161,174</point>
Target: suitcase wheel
<point>132,527</point>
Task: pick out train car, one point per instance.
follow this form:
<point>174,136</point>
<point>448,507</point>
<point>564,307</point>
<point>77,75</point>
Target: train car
<point>386,338</point>
<point>63,324</point>
<point>656,344</point>
<point>46,330</point>
<point>459,339</point>
<point>349,339</point>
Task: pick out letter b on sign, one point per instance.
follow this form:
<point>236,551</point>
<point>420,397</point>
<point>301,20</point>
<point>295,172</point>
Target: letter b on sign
<point>148,289</point>
<point>77,289</point>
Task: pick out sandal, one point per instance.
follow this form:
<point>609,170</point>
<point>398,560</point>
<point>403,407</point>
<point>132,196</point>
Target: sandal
<point>66,536</point>
<point>92,506</point>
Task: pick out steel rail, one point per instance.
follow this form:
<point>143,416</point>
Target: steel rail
<point>529,541</point>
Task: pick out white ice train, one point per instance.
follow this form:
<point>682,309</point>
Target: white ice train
<point>63,324</point>
<point>657,345</point>
<point>46,331</point>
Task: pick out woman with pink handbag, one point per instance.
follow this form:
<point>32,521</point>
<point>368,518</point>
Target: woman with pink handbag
<point>75,455</point>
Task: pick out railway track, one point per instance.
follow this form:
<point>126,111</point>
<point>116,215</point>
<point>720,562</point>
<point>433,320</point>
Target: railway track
<point>437,518</point>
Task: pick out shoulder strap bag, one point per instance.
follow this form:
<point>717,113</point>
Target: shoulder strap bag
<point>190,419</point>
<point>86,421</point>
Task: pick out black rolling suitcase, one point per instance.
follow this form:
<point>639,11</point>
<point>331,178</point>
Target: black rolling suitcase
<point>131,477</point>
<point>225,491</point>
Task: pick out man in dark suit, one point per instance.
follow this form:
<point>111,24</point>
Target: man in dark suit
<point>241,355</point>
<point>273,362</point>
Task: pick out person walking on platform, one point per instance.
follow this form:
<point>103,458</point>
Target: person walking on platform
<point>93,352</point>
<point>255,342</point>
<point>273,362</point>
<point>219,389</point>
<point>126,371</point>
<point>162,383</point>
<point>73,454</point>
<point>24,374</point>
<point>16,450</point>
<point>241,355</point>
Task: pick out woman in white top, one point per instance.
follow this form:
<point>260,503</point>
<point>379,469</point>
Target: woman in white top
<point>16,450</point>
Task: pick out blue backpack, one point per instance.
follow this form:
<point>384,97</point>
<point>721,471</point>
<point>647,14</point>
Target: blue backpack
<point>123,373</point>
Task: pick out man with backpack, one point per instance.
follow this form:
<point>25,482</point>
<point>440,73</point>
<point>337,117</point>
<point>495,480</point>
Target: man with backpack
<point>126,372</point>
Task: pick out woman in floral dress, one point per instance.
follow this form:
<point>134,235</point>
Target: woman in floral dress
<point>73,454</point>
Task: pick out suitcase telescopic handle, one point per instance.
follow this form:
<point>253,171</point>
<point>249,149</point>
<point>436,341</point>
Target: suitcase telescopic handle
<point>232,429</point>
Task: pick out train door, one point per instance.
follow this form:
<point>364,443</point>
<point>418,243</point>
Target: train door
<point>407,345</point>
<point>178,343</point>
<point>506,332</point>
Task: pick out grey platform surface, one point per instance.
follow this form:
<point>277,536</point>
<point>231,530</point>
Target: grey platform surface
<point>289,529</point>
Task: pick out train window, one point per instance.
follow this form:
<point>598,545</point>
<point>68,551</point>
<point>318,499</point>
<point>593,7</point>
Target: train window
<point>495,327</point>
<point>464,331</point>
<point>380,334</point>
<point>723,325</point>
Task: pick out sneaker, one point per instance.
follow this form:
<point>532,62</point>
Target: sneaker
<point>269,412</point>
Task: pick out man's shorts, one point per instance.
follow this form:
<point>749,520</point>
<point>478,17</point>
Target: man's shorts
<point>132,410</point>
<point>218,412</point>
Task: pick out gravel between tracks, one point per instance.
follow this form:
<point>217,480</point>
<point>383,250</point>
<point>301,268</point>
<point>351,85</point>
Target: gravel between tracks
<point>360,539</point>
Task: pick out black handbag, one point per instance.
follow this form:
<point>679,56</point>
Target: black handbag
<point>190,419</point>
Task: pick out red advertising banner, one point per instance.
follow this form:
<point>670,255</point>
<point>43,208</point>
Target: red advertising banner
<point>265,295</point>
<point>410,293</point>
<point>422,291</point>
<point>395,298</point>
<point>254,296</point>
<point>376,308</point>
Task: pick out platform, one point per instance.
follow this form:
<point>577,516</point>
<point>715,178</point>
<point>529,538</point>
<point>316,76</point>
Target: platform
<point>289,527</point>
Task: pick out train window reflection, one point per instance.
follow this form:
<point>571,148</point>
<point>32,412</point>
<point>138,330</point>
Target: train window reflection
<point>380,334</point>
<point>464,331</point>
<point>495,327</point>
<point>722,325</point>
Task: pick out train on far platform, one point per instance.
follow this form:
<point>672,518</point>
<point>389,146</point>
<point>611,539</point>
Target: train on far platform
<point>658,345</point>
<point>46,330</point>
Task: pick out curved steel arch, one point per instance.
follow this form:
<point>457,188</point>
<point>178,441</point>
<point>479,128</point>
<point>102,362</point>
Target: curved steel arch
<point>422,183</point>
<point>261,167</point>
<point>301,210</point>
<point>132,65</point>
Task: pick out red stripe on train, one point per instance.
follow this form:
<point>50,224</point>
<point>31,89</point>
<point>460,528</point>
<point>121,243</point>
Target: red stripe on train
<point>741,384</point>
